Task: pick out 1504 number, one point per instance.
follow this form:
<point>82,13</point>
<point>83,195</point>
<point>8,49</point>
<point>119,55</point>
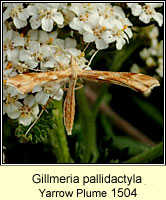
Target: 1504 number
<point>124,192</point>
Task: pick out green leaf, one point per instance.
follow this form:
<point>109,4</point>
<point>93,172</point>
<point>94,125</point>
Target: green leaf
<point>134,147</point>
<point>148,156</point>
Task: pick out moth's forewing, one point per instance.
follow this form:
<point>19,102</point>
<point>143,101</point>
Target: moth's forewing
<point>136,81</point>
<point>24,83</point>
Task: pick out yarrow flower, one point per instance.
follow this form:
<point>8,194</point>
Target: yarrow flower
<point>11,102</point>
<point>120,31</point>
<point>18,13</point>
<point>37,53</point>
<point>147,12</point>
<point>45,14</point>
<point>103,25</point>
<point>47,91</point>
<point>152,56</point>
<point>11,43</point>
<point>28,111</point>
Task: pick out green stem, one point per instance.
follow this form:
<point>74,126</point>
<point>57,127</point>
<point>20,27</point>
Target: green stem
<point>87,120</point>
<point>148,156</point>
<point>58,136</point>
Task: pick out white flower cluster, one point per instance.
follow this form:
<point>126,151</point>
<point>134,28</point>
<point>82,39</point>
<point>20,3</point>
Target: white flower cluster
<point>101,23</point>
<point>41,14</point>
<point>32,43</point>
<point>147,12</point>
<point>153,56</point>
<point>36,51</point>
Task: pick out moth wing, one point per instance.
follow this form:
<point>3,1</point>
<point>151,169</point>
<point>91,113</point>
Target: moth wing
<point>24,83</point>
<point>136,81</point>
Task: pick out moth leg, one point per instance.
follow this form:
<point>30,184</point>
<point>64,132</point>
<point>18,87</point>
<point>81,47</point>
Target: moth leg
<point>79,86</point>
<point>43,109</point>
<point>65,88</point>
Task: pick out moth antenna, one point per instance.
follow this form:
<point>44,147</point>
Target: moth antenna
<point>92,57</point>
<point>86,47</point>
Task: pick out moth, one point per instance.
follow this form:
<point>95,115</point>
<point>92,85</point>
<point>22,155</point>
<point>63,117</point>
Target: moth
<point>24,83</point>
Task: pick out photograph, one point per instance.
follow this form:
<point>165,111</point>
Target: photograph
<point>82,83</point>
